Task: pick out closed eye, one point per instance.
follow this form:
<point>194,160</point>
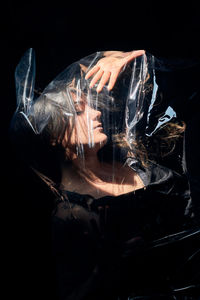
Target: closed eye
<point>79,107</point>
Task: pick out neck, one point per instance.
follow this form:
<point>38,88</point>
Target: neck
<point>91,169</point>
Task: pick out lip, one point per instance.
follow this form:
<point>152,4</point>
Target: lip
<point>98,126</point>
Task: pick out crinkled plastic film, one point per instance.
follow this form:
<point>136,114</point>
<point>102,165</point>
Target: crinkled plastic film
<point>134,124</point>
<point>129,109</point>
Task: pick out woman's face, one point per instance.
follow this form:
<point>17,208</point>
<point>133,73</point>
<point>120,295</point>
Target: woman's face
<point>87,130</point>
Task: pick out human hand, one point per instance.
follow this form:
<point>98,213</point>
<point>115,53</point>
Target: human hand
<point>109,67</point>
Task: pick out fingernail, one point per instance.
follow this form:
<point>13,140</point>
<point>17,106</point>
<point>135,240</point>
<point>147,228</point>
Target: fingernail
<point>99,89</point>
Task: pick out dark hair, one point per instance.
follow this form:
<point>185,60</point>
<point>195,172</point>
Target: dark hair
<point>38,136</point>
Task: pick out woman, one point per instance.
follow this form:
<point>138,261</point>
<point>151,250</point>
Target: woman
<point>117,203</point>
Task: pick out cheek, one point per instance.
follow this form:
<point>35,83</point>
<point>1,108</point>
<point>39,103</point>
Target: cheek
<point>78,133</point>
<point>69,135</point>
<point>81,131</point>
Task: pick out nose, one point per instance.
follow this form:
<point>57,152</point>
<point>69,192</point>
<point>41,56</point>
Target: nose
<point>96,114</point>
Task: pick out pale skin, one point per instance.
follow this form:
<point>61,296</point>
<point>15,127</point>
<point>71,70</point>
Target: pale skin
<point>109,67</point>
<point>89,175</point>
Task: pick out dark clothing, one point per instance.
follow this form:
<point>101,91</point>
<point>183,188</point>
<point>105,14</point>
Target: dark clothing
<point>179,86</point>
<point>124,246</point>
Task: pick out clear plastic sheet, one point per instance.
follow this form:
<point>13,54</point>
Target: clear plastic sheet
<point>133,211</point>
<point>132,109</point>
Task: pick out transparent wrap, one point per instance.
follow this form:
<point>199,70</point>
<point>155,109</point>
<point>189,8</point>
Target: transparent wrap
<point>115,161</point>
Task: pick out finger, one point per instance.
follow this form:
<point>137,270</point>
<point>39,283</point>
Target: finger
<point>135,54</point>
<point>92,71</point>
<point>113,79</point>
<point>96,77</point>
<point>103,81</point>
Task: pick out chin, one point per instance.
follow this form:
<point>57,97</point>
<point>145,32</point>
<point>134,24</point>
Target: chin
<point>102,140</point>
<point>99,142</point>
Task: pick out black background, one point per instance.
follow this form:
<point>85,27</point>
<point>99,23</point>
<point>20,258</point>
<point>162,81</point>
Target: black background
<point>61,33</point>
